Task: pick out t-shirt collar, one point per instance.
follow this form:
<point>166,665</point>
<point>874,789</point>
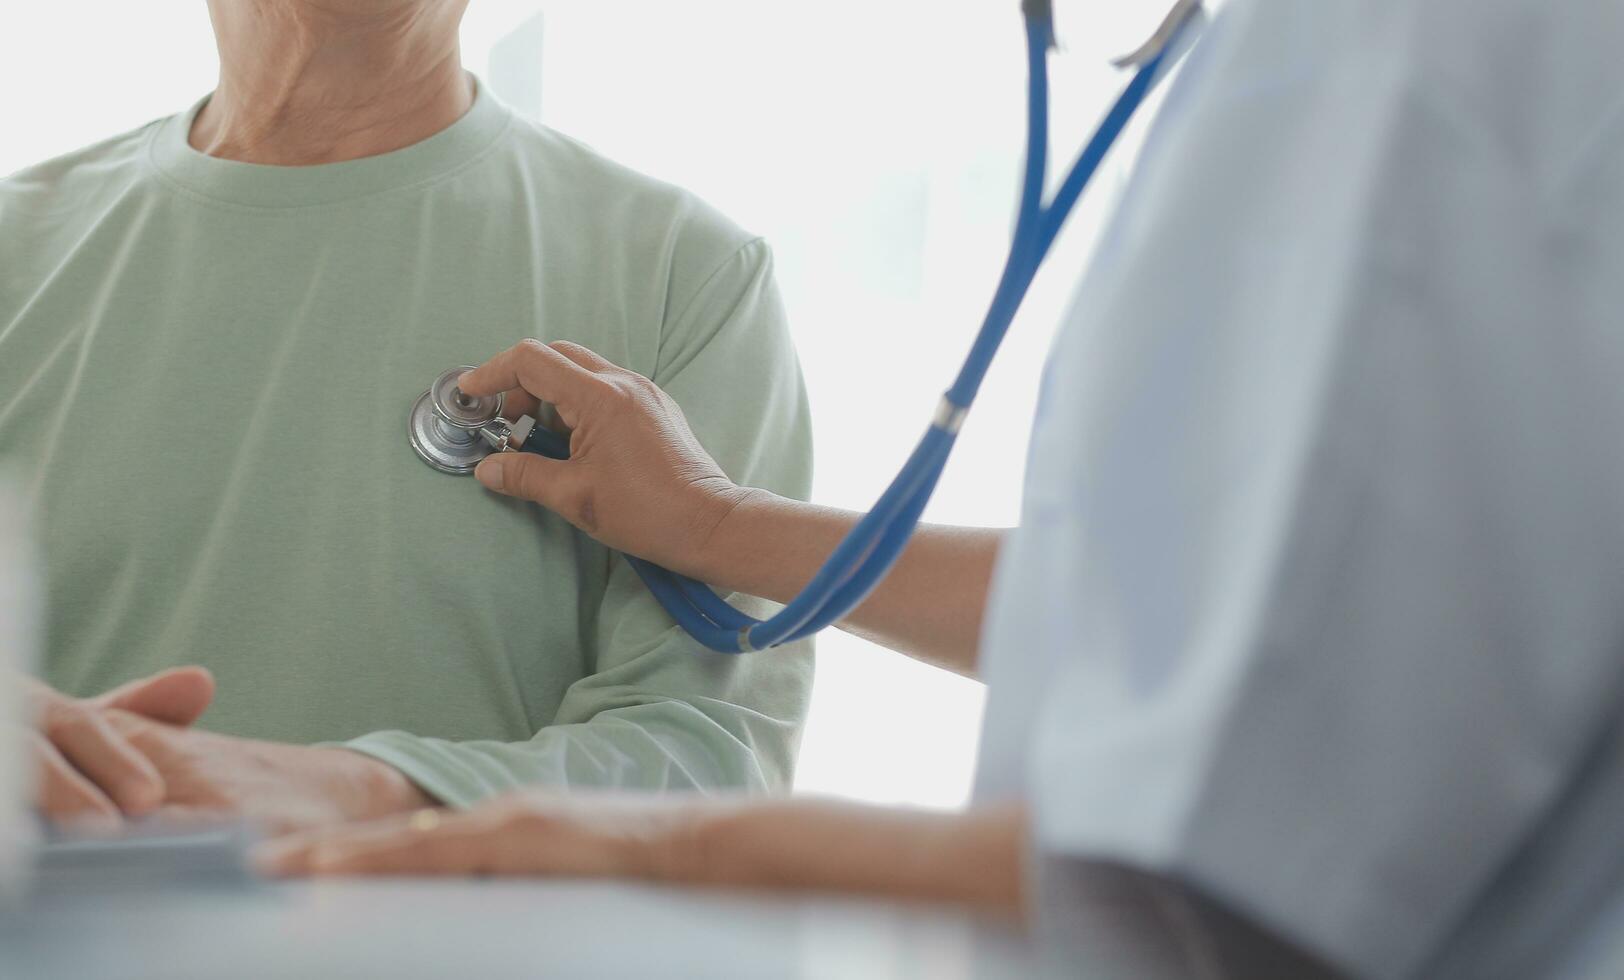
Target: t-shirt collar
<point>265,186</point>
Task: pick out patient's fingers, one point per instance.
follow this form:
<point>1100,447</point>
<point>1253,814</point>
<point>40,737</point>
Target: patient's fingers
<point>63,794</point>
<point>177,697</point>
<point>84,737</point>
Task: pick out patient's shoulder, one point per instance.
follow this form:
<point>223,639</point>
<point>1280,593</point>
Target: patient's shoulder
<point>611,199</point>
<point>77,181</point>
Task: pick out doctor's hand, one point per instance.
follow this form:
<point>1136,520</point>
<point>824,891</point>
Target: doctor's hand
<point>972,858</point>
<point>531,832</point>
<point>637,479</point>
<point>85,768</point>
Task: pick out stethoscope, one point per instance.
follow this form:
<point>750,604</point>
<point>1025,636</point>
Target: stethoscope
<point>452,432</point>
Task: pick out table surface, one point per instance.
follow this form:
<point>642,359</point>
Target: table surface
<point>488,929</point>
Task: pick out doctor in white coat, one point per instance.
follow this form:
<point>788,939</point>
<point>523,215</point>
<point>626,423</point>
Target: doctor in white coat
<point>1308,654</point>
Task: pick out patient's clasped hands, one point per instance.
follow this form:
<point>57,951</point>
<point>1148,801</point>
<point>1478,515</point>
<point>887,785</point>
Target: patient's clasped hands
<point>131,753</point>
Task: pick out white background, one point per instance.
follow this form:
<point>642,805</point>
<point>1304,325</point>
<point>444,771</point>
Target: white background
<point>876,144</point>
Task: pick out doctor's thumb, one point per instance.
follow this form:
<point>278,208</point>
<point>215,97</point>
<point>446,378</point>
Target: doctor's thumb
<point>524,475</point>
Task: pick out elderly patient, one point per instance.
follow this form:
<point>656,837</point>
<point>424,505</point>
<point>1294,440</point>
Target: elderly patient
<point>211,329</point>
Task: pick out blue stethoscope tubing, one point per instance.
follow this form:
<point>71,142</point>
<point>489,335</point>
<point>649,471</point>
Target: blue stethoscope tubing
<point>871,547</point>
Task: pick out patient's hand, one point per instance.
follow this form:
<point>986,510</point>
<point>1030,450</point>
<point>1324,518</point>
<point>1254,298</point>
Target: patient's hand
<point>281,787</point>
<point>85,768</point>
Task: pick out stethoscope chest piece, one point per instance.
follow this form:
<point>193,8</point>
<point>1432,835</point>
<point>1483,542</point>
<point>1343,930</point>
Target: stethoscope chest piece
<point>445,426</point>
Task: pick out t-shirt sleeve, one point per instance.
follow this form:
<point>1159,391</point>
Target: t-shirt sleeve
<point>660,711</point>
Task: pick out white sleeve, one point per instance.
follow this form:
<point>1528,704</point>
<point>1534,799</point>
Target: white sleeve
<point>1323,540</point>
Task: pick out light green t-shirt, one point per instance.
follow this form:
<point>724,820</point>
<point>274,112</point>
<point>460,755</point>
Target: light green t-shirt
<point>205,369</point>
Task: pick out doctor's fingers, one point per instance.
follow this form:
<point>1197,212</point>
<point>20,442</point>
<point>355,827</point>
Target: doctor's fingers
<point>517,402</point>
<point>84,737</point>
<point>63,794</point>
<point>554,484</point>
<point>627,388</point>
<point>586,357</point>
<point>543,372</point>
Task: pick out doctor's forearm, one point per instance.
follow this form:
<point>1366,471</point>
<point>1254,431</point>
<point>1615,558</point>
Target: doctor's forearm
<point>929,607</point>
<point>973,858</point>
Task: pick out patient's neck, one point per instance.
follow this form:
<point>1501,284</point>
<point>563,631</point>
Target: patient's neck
<point>306,81</point>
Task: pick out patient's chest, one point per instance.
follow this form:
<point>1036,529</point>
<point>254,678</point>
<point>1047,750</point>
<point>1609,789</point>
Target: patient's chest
<point>215,425</point>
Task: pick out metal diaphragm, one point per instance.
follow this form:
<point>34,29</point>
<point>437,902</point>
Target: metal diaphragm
<point>443,425</point>
<point>462,411</point>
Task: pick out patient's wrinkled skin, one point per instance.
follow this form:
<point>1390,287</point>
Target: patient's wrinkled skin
<point>305,82</point>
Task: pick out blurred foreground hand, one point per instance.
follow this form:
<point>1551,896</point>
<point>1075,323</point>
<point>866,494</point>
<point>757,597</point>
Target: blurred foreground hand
<point>85,768</point>
<point>974,858</point>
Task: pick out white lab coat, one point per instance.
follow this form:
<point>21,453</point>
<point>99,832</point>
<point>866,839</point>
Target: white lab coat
<point>1318,599</point>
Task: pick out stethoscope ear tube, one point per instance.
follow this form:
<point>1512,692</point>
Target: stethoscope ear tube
<point>869,550</point>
